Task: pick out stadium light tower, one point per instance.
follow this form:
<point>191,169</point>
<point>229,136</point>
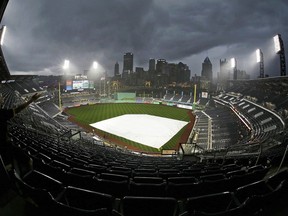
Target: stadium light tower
<point>234,67</point>
<point>3,31</point>
<point>66,64</point>
<point>260,60</point>
<point>279,49</point>
<point>95,65</point>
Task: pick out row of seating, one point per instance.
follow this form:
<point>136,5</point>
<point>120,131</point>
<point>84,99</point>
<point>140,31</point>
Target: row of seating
<point>272,90</point>
<point>101,160</point>
<point>264,123</point>
<point>122,181</point>
<point>54,196</point>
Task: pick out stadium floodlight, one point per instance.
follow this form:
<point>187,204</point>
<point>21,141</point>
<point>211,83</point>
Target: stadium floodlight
<point>95,65</point>
<point>233,66</point>
<point>66,64</point>
<point>258,55</point>
<point>279,49</point>
<point>3,31</point>
<point>277,45</point>
<point>233,62</point>
<point>260,60</point>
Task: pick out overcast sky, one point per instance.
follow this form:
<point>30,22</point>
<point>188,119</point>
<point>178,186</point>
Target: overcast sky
<point>41,34</point>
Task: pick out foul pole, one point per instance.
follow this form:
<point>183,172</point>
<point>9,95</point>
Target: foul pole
<point>59,96</point>
<point>195,88</point>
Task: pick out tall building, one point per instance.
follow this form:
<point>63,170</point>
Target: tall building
<point>207,70</point>
<point>179,73</point>
<point>224,74</point>
<point>152,65</point>
<point>116,69</point>
<point>161,66</point>
<point>185,72</point>
<point>225,70</point>
<point>128,63</point>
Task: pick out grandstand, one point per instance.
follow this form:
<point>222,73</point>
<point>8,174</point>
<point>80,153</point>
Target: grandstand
<point>234,162</point>
<point>235,153</point>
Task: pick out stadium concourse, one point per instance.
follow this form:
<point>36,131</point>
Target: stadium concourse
<point>234,164</point>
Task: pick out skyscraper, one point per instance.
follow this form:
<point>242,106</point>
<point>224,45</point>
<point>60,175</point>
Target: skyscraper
<point>207,69</point>
<point>152,65</point>
<point>116,69</point>
<point>161,66</point>
<point>128,63</point>
<point>224,74</point>
<point>225,70</point>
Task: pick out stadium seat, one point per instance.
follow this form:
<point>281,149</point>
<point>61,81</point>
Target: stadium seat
<point>235,173</point>
<point>192,172</point>
<point>230,167</point>
<point>60,165</point>
<point>116,188</point>
<point>152,206</point>
<point>145,172</point>
<point>83,172</point>
<point>147,189</point>
<point>237,181</point>
<point>214,186</point>
<point>212,177</point>
<point>96,168</point>
<point>258,197</point>
<point>113,177</point>
<point>252,189</point>
<point>81,180</point>
<point>212,204</point>
<point>39,187</point>
<point>182,180</point>
<point>55,172</point>
<point>183,190</point>
<point>145,179</point>
<point>166,173</point>
<point>74,201</point>
<point>274,180</point>
<point>121,170</point>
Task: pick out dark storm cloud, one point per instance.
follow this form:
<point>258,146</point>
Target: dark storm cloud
<point>199,26</point>
<point>43,33</point>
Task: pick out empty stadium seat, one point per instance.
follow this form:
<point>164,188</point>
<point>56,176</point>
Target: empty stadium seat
<point>183,190</point>
<point>147,189</point>
<point>39,187</point>
<point>145,179</point>
<point>212,204</point>
<point>152,206</point>
<point>116,187</point>
<point>74,201</point>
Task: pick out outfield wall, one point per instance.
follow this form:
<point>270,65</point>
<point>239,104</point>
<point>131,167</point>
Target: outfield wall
<point>126,96</point>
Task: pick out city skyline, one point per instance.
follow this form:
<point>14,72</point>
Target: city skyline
<point>41,35</point>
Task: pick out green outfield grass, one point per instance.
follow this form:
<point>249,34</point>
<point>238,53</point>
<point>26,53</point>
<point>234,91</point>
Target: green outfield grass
<point>86,115</point>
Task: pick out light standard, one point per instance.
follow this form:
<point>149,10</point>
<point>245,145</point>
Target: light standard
<point>279,49</point>
<point>66,66</point>
<point>260,60</point>
<point>3,31</point>
<point>234,67</point>
<point>95,65</point>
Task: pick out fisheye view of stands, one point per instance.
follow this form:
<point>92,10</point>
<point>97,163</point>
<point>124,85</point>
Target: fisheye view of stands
<point>104,146</point>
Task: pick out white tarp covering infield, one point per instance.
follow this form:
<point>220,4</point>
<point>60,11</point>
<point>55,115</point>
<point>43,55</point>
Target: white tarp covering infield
<point>148,130</point>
